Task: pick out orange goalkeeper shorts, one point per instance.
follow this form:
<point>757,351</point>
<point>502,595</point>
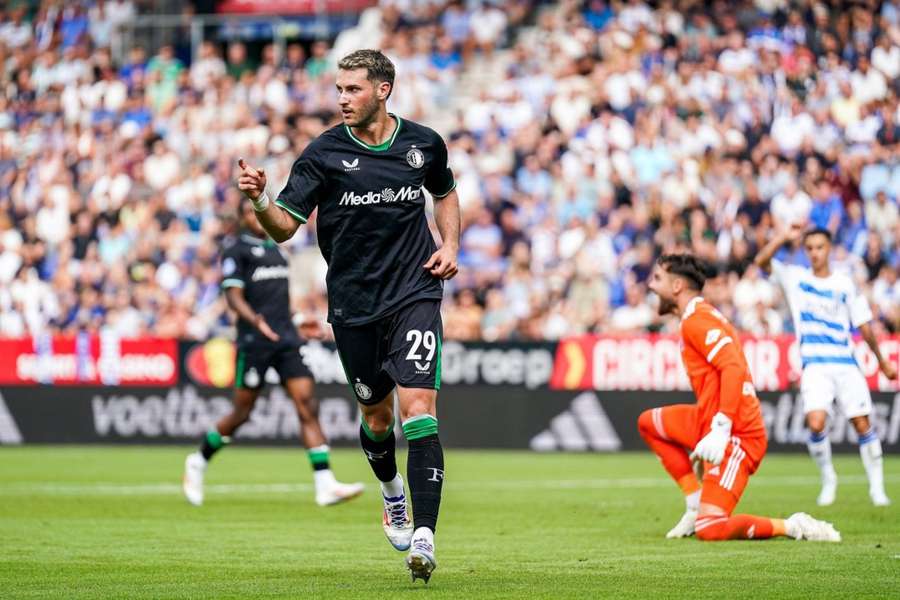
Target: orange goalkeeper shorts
<point>723,484</point>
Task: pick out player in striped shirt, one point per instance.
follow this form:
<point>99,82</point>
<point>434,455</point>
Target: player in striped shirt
<point>723,432</point>
<point>825,307</point>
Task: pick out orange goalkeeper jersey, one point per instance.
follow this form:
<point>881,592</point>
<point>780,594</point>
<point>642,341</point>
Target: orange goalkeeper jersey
<point>717,369</point>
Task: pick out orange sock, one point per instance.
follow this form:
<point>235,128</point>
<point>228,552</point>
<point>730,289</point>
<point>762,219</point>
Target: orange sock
<point>738,527</point>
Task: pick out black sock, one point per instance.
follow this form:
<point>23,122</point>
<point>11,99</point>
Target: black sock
<point>213,441</point>
<point>425,475</point>
<point>380,452</point>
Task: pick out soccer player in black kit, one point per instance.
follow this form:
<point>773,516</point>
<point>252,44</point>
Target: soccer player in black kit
<point>385,278</point>
<point>255,281</point>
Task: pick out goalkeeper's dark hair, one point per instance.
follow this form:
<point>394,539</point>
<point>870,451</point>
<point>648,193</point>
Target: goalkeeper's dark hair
<point>687,266</point>
<point>818,231</point>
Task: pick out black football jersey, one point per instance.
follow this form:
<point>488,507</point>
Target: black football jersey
<point>259,267</point>
<point>371,222</point>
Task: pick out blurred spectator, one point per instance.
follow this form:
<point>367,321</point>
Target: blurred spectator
<point>585,138</point>
<point>882,215</point>
<point>635,316</point>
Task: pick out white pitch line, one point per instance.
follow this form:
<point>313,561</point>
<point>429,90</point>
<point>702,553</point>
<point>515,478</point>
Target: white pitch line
<point>165,489</point>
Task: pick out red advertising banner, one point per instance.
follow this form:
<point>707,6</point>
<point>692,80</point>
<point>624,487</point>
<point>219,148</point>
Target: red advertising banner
<point>88,360</point>
<point>653,362</point>
<point>292,7</point>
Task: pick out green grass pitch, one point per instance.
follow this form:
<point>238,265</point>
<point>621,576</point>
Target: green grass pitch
<point>110,522</point>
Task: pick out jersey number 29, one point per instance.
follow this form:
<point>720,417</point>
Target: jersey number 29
<point>419,339</point>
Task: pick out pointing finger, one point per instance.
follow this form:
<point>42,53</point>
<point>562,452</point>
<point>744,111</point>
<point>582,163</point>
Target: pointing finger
<point>242,164</point>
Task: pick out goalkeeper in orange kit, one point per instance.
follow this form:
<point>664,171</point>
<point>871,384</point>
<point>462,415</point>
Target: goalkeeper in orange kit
<point>723,433</point>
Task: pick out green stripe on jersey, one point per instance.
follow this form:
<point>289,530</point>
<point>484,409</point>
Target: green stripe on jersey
<point>420,426</point>
<point>231,282</point>
<point>445,194</point>
<point>291,211</point>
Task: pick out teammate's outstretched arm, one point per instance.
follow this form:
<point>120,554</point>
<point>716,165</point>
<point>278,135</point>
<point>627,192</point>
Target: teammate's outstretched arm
<point>763,260</point>
<point>277,222</point>
<point>442,263</point>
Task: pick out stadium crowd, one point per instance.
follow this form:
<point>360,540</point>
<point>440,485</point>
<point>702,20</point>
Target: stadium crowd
<point>618,131</point>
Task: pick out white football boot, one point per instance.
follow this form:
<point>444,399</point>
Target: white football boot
<point>192,481</point>
<point>397,526</point>
<point>829,491</point>
<point>801,526</point>
<point>879,497</point>
<point>420,560</point>
<point>684,527</point>
<point>337,492</point>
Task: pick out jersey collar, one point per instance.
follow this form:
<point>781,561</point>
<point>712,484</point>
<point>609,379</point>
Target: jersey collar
<point>691,307</point>
<point>382,146</point>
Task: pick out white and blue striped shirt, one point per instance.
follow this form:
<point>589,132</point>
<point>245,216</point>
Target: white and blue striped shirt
<point>824,310</point>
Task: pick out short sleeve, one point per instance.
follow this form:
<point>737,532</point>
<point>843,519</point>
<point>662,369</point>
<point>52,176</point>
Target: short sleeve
<point>710,338</point>
<point>860,310</point>
<point>439,180</point>
<point>233,268</point>
<point>780,272</point>
<point>300,195</point>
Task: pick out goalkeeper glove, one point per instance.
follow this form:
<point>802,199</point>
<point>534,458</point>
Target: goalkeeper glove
<point>712,447</point>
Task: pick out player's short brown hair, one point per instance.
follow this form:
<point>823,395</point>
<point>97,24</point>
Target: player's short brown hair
<point>378,66</point>
<point>687,266</point>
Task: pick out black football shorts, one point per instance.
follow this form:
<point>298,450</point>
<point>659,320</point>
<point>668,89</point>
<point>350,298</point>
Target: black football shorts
<point>255,358</point>
<point>401,349</point>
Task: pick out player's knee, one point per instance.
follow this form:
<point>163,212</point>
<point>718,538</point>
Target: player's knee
<point>379,422</point>
<point>416,405</point>
<point>645,424</point>
<point>711,529</point>
<point>307,410</point>
<point>861,424</point>
<point>710,534</point>
<point>815,423</point>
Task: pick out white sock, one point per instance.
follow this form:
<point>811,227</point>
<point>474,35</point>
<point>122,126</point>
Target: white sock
<point>393,488</point>
<point>323,479</point>
<point>819,446</point>
<point>423,533</point>
<point>872,460</point>
<point>692,501</point>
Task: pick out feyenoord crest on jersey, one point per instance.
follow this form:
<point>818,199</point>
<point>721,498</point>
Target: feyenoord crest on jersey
<point>374,224</point>
<point>415,158</point>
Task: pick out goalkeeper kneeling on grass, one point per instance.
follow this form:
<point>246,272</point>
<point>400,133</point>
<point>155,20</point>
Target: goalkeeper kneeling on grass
<point>724,431</point>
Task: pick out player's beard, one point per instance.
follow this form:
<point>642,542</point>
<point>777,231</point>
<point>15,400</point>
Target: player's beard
<point>366,113</point>
<point>665,306</point>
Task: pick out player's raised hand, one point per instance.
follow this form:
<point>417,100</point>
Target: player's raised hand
<point>264,329</point>
<point>442,263</point>
<point>795,232</point>
<point>252,182</point>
